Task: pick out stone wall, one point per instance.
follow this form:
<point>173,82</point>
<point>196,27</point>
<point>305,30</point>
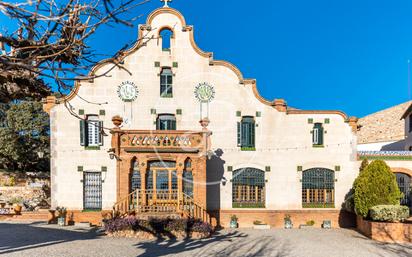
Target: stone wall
<point>32,198</point>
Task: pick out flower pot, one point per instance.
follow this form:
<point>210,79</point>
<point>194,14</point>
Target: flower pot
<point>17,209</point>
<point>233,224</point>
<point>261,226</point>
<point>2,205</point>
<point>61,221</point>
<point>288,224</point>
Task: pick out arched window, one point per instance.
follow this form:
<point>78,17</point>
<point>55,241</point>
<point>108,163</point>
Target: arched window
<point>317,137</point>
<point>404,184</point>
<point>248,188</point>
<point>246,133</point>
<point>318,188</point>
<point>166,122</point>
<point>135,179</point>
<point>166,83</point>
<point>188,178</point>
<point>166,36</point>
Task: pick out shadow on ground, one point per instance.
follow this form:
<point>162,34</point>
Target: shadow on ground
<point>233,243</point>
<point>21,236</point>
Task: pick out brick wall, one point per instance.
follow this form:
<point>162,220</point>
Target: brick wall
<point>385,231</point>
<point>274,218</point>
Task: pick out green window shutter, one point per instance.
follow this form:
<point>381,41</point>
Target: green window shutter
<point>321,132</point>
<point>82,132</point>
<point>239,134</point>
<point>100,133</point>
<point>252,134</point>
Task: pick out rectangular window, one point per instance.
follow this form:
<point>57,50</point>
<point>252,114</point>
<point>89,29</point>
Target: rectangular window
<point>317,137</point>
<point>91,131</point>
<point>92,191</point>
<point>246,133</point>
<point>166,122</point>
<point>166,83</point>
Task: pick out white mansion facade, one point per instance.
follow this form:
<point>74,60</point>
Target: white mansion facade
<point>260,156</point>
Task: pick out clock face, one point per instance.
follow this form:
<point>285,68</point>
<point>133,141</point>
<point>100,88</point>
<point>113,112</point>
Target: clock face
<point>127,91</point>
<point>204,92</point>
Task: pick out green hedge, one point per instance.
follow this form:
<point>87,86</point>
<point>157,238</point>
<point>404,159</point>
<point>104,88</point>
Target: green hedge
<point>375,185</point>
<point>389,213</point>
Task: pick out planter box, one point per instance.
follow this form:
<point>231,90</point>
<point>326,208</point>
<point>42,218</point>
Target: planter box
<point>385,231</point>
<point>263,226</point>
<point>304,226</point>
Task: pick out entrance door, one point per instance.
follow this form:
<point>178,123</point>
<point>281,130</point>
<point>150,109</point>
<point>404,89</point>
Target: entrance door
<point>92,190</point>
<point>161,183</point>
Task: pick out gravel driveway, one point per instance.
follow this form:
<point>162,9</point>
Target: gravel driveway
<point>38,239</point>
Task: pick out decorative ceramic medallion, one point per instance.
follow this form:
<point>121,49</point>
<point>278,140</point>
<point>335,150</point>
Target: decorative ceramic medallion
<point>204,92</point>
<point>127,91</point>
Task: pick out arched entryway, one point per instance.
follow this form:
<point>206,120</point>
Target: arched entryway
<point>161,182</point>
<point>404,184</point>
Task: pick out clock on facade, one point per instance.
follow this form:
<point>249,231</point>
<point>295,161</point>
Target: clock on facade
<point>204,92</point>
<point>127,91</point>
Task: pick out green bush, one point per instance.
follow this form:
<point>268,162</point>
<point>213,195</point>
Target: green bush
<point>389,213</point>
<point>375,185</point>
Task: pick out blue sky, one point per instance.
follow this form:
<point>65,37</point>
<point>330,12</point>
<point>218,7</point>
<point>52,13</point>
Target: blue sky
<point>320,54</point>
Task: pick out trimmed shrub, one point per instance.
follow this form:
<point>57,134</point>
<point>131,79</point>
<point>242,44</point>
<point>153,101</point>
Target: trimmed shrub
<point>375,185</point>
<point>157,227</point>
<point>389,213</point>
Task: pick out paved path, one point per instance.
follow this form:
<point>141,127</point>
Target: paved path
<point>37,239</point>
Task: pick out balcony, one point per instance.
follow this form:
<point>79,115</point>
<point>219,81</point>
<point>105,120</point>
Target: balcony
<point>385,155</point>
<point>162,141</point>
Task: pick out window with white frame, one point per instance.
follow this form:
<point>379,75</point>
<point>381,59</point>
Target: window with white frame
<point>90,131</point>
<point>317,137</point>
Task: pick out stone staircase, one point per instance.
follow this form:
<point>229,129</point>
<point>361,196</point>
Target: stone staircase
<point>146,203</point>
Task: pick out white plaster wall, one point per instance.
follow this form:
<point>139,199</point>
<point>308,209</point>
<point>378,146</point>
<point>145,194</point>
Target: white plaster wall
<point>283,141</point>
<point>377,146</point>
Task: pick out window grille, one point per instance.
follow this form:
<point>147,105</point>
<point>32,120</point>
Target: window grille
<point>404,184</point>
<point>135,179</point>
<point>248,188</point>
<point>318,188</point>
<point>92,190</point>
<point>188,178</point>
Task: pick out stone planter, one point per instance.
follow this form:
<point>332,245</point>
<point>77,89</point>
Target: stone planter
<point>304,226</point>
<point>61,221</point>
<point>327,224</point>
<point>261,226</point>
<point>234,224</point>
<point>288,224</point>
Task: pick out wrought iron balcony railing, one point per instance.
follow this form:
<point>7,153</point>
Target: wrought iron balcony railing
<point>162,141</point>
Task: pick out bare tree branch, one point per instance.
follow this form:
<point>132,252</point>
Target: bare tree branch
<point>51,43</point>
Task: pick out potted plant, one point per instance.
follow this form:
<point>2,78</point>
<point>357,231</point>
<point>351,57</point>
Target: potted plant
<point>288,222</point>
<point>233,222</point>
<point>308,224</point>
<point>61,216</point>
<point>17,204</point>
